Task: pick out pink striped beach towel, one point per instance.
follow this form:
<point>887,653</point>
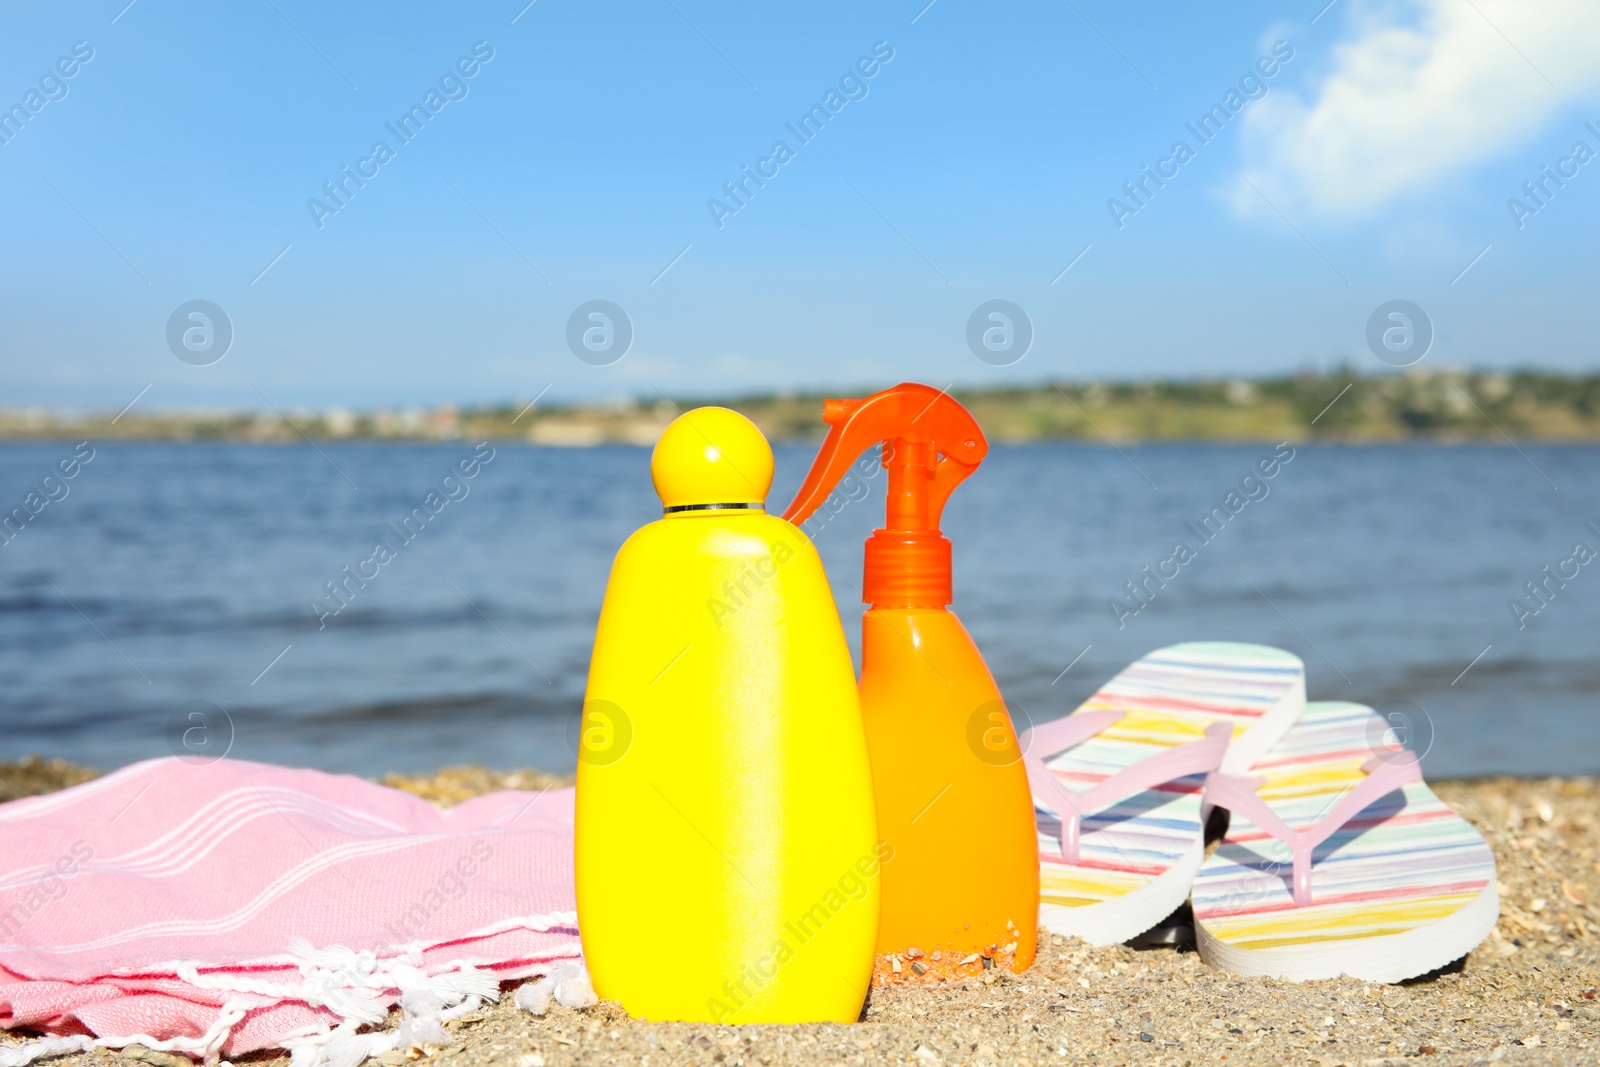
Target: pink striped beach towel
<point>218,909</point>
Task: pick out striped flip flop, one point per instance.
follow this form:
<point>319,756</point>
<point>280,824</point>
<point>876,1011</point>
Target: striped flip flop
<point>1339,861</point>
<point>1117,784</point>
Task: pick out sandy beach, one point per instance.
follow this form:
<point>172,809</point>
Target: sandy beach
<point>1528,995</point>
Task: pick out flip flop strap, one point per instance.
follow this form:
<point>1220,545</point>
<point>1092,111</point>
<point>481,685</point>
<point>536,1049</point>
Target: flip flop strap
<point>1050,740</point>
<point>1237,793</point>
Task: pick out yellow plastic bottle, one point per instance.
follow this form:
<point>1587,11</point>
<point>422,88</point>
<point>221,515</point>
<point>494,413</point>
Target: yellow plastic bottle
<point>727,854</point>
<point>952,792</point>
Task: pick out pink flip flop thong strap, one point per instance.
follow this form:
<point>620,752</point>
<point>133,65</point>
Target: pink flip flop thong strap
<point>1050,740</point>
<point>1237,793</point>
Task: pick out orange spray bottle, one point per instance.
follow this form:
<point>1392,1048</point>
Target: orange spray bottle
<point>951,789</point>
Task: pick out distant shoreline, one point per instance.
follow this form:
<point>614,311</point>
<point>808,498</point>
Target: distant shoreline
<point>1434,407</point>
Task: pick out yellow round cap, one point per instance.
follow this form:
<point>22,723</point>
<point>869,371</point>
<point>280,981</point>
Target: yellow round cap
<point>711,456</point>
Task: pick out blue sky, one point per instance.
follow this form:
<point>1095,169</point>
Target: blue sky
<point>577,163</point>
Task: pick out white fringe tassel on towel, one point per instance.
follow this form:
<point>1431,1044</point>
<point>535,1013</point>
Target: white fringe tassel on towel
<point>352,985</point>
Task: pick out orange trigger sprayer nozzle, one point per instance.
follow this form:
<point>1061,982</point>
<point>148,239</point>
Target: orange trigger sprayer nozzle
<point>930,445</point>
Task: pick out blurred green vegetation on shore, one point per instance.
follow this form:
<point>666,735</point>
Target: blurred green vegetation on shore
<point>1438,405</point>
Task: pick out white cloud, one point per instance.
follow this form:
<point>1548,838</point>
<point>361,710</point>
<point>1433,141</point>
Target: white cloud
<point>1410,102</point>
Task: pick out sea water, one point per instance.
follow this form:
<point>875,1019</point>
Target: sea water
<point>202,598</point>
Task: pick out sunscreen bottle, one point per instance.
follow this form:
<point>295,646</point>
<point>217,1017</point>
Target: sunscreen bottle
<point>726,852</point>
<point>952,792</point>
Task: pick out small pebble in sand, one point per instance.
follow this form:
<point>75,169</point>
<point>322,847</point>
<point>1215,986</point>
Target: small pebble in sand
<point>155,1057</point>
<point>918,967</point>
<point>913,953</point>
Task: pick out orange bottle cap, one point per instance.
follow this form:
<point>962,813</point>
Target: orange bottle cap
<point>930,445</point>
